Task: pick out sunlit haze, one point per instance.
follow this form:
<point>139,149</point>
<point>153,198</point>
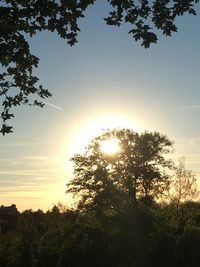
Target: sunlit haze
<point>95,125</point>
<point>106,81</point>
<point>110,146</point>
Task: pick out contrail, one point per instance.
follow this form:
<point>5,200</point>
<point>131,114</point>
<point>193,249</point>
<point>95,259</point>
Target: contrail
<point>54,106</point>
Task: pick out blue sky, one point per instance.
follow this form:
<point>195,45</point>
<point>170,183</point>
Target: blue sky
<point>106,78</point>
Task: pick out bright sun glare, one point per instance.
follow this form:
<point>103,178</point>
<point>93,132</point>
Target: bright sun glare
<point>110,146</point>
<point>94,126</point>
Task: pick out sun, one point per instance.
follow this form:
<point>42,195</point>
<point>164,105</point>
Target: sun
<point>88,129</point>
<point>110,146</point>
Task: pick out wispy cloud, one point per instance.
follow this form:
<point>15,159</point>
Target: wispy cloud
<point>24,188</point>
<point>192,144</point>
<point>31,172</point>
<point>41,158</point>
<point>31,190</point>
<point>53,106</point>
<point>36,163</point>
<point>190,107</point>
<point>10,182</point>
<point>23,144</point>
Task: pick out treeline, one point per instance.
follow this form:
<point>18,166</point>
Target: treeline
<point>134,208</point>
<point>157,235</point>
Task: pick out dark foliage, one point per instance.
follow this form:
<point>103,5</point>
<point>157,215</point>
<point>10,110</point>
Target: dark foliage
<point>136,171</point>
<point>112,229</point>
<point>149,236</point>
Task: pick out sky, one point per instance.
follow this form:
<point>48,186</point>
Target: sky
<point>106,80</point>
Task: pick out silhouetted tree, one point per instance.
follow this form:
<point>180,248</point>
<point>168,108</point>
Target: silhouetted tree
<point>22,18</point>
<point>147,236</point>
<point>8,218</point>
<point>183,186</point>
<point>136,171</point>
<point>29,237</point>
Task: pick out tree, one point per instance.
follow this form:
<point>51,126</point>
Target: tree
<point>181,212</point>
<point>22,18</point>
<point>182,192</point>
<point>136,171</point>
<point>183,186</point>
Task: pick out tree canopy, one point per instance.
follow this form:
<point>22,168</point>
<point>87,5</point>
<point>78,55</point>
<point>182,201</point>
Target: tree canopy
<point>154,237</point>
<point>183,185</point>
<point>136,171</point>
<point>22,18</point>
